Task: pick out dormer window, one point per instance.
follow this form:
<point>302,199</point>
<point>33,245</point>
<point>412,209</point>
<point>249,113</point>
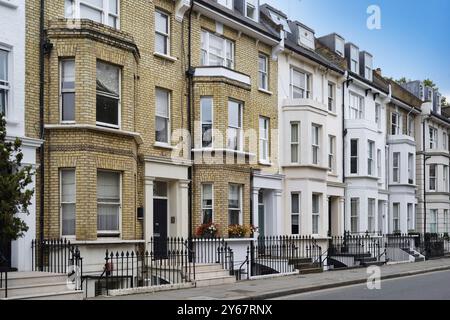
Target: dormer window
<point>306,37</point>
<point>368,66</point>
<point>352,53</point>
<point>251,10</point>
<point>340,46</point>
<point>226,3</point>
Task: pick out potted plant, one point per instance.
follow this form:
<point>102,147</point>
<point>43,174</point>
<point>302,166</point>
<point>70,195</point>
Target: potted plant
<point>208,230</point>
<point>238,231</point>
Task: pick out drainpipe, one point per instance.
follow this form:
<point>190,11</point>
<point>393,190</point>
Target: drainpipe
<point>41,130</point>
<point>189,75</point>
<point>344,133</point>
<point>424,179</point>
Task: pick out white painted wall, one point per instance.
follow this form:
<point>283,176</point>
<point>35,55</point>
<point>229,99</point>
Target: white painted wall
<point>12,38</point>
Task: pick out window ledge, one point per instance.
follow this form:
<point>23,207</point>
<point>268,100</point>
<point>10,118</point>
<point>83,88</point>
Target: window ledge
<point>332,113</point>
<point>165,56</point>
<point>8,4</point>
<point>270,93</point>
<point>163,146</point>
<point>243,153</point>
<point>265,163</point>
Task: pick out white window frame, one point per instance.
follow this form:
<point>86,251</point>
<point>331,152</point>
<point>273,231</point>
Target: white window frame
<point>445,178</point>
<point>378,115</point>
<point>165,35</point>
<point>445,141</point>
<point>411,164</point>
<point>331,97</point>
<point>446,221</point>
<point>432,179</point>
<point>240,203</point>
<point>76,11</point>
<point>395,123</point>
<point>226,3</point>
<point>63,91</point>
<point>315,144</point>
<point>371,208</point>
<point>433,134</point>
<point>371,158</point>
<point>61,202</point>
<point>205,123</point>
<point>354,215</point>
<point>396,167</point>
<point>119,100</point>
<point>354,59</point>
<point>205,49</point>
<point>297,214</point>
<point>410,216</point>
<point>306,91</point>
<point>434,215</point>
<point>239,129</point>
<point>167,118</point>
<point>396,217</point>
<point>6,84</point>
<point>295,143</point>
<point>352,157</point>
<point>248,4</point>
<point>116,233</point>
<point>263,73</point>
<point>356,112</point>
<point>264,137</point>
<point>379,164</point>
<point>331,153</point>
<point>202,202</point>
<point>316,215</point>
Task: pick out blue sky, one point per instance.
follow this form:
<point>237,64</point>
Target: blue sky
<point>414,39</point>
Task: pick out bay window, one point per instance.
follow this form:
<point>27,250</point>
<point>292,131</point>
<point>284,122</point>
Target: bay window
<point>410,213</point>
<point>411,164</point>
<point>264,148</point>
<point>370,158</point>
<point>315,144</point>
<point>396,167</point>
<point>331,153</point>
<point>300,84</point>
<point>162,32</point>
<point>395,124</point>
<point>234,204</point>
<point>432,177</point>
<point>354,156</point>
<point>108,94</point>
<point>216,51</point>
<point>295,142</point>
<point>295,213</point>
<point>68,202</point>
<point>433,132</point>
<point>315,213</point>
<point>207,203</point>
<point>67,90</point>
<point>162,116</point>
<point>354,215</point>
<point>331,96</point>
<point>378,115</point>
<point>206,109</point>
<point>234,141</point>
<point>433,221</point>
<point>371,215</point>
<point>356,106</point>
<point>102,11</point>
<point>108,203</point>
<point>5,86</point>
<point>396,217</point>
<point>445,179</point>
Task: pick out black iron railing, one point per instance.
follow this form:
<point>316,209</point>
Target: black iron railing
<point>360,247</point>
<point>433,245</point>
<point>58,256</point>
<point>4,281</point>
<point>280,254</point>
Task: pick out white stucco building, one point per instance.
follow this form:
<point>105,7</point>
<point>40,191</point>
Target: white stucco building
<point>12,104</point>
<point>310,127</point>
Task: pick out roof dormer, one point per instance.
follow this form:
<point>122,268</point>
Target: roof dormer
<point>352,55</point>
<point>306,36</point>
<point>366,65</point>
<point>279,19</point>
<point>335,43</point>
<point>226,3</point>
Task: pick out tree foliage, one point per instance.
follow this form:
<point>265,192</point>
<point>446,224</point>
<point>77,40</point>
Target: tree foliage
<point>15,194</point>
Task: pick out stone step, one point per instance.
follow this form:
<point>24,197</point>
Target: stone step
<point>215,282</point>
<point>64,295</point>
<point>375,263</point>
<point>300,260</point>
<point>311,270</point>
<point>17,279</point>
<point>205,275</point>
<point>207,267</point>
<point>34,289</point>
<point>300,266</point>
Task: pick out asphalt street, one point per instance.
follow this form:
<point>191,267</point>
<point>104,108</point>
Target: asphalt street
<point>431,286</point>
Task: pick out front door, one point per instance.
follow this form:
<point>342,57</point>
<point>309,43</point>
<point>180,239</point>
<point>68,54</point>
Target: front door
<point>160,227</point>
<point>330,216</point>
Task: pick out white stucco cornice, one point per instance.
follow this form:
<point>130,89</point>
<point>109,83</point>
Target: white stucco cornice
<point>181,6</point>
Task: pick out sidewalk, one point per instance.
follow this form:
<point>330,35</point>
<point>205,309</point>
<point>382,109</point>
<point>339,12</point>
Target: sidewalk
<point>283,286</point>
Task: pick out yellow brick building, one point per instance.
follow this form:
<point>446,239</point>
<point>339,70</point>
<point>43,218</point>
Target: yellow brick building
<point>120,97</point>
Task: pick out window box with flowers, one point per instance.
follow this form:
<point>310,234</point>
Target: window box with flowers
<point>209,230</point>
<point>238,231</point>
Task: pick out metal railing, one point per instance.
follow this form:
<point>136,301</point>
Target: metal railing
<point>4,281</point>
<point>58,256</point>
<point>432,245</point>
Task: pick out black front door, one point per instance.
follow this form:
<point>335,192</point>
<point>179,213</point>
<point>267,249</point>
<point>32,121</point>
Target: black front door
<point>330,216</point>
<point>5,254</point>
<point>160,227</point>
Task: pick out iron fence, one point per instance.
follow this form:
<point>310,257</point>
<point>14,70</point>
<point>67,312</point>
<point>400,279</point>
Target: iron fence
<point>356,245</point>
<point>4,282</point>
<point>433,245</point>
<point>58,256</point>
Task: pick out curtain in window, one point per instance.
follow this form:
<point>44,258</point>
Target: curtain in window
<point>108,199</point>
<point>108,78</point>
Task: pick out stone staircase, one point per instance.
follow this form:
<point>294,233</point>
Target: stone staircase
<point>415,255</point>
<point>39,286</point>
<point>212,275</point>
<point>305,265</point>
